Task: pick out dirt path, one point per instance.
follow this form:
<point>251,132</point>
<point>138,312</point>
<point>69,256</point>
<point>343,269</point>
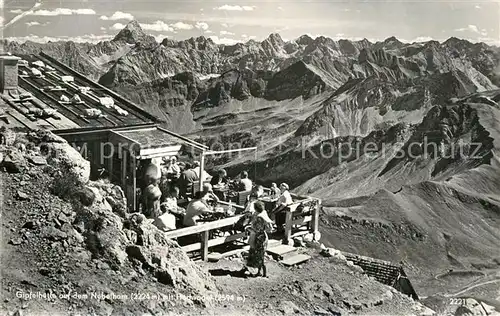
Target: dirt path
<point>472,287</point>
<point>318,286</point>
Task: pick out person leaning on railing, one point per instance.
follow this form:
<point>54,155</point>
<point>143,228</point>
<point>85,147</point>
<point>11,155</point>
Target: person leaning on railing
<point>283,202</point>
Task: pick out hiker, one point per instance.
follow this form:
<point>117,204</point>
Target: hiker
<point>283,202</point>
<point>245,183</point>
<point>199,206</point>
<point>151,196</point>
<point>260,226</point>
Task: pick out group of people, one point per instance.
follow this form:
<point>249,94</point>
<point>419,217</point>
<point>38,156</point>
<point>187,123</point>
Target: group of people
<point>165,185</point>
<point>164,182</point>
<point>205,200</point>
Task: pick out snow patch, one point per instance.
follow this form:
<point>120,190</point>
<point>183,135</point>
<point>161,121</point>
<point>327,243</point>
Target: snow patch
<point>208,76</point>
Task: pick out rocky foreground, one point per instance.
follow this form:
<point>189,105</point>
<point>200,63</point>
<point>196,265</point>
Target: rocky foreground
<point>69,246</point>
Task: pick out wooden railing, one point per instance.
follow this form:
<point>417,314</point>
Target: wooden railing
<point>303,212</point>
<point>204,230</point>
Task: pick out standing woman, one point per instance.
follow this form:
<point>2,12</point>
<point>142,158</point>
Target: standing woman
<point>152,195</point>
<point>261,225</point>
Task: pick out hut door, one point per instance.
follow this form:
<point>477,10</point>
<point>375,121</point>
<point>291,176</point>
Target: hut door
<point>128,179</point>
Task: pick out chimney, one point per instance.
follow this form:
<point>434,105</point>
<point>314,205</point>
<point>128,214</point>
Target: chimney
<point>8,73</point>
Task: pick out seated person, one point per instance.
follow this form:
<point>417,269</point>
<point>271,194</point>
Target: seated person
<point>173,168</point>
<point>196,169</point>
<point>199,206</point>
<point>257,192</point>
<point>245,183</point>
<point>220,178</point>
<point>249,212</point>
<point>170,202</point>
<point>166,221</point>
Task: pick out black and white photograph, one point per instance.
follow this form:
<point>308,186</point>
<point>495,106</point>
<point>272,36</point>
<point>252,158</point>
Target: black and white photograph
<point>250,157</point>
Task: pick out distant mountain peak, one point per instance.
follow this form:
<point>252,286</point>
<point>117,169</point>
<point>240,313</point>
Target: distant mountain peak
<point>392,39</point>
<point>454,41</point>
<point>304,40</point>
<point>275,37</point>
<point>132,33</point>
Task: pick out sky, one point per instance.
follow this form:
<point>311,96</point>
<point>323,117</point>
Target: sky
<point>229,22</point>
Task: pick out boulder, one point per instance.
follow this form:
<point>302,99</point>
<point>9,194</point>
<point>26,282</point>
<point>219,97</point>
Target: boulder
<point>22,196</point>
<point>334,253</point>
<point>308,238</point>
<point>37,160</point>
<point>104,235</point>
<point>473,307</point>
<point>117,200</point>
<point>71,170</point>
<point>69,160</point>
<point>179,270</point>
<point>86,196</point>
<point>14,161</point>
<point>52,233</point>
<point>44,136</point>
<point>289,308</point>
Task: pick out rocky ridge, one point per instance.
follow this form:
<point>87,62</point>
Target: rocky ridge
<point>269,70</point>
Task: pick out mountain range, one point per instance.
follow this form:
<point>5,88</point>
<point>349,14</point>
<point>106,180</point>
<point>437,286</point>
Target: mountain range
<point>295,98</point>
<point>175,78</point>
